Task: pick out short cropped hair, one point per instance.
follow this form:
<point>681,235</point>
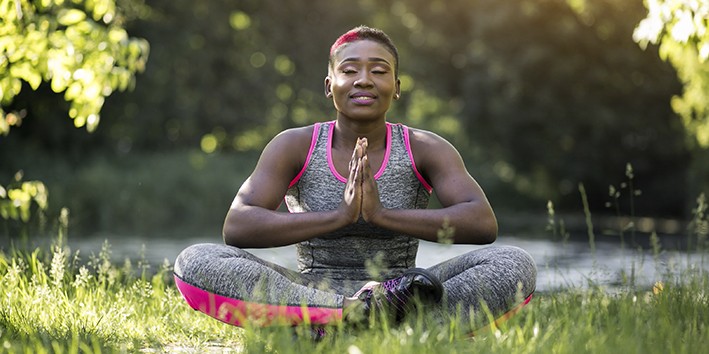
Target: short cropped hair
<point>365,33</point>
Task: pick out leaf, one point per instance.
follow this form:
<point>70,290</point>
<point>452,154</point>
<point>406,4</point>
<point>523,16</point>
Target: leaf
<point>58,84</point>
<point>117,35</point>
<point>25,71</point>
<point>79,121</point>
<point>70,17</point>
<point>34,79</point>
<point>73,91</point>
<point>4,126</point>
<point>101,7</point>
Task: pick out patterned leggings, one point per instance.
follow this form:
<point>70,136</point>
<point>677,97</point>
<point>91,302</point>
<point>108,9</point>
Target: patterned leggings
<point>239,288</point>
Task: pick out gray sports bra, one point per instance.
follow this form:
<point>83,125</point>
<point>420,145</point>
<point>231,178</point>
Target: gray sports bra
<point>359,251</point>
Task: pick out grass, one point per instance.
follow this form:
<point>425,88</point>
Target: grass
<point>55,301</point>
<point>61,305</point>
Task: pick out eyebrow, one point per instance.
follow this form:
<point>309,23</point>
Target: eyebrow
<point>374,59</point>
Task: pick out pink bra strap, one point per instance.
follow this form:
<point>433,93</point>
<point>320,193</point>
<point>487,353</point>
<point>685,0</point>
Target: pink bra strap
<point>413,163</point>
<point>313,140</point>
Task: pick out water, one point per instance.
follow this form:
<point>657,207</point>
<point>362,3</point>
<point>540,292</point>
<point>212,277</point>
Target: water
<point>560,264</point>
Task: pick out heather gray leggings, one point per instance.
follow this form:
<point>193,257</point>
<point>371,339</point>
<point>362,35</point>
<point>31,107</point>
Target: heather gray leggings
<point>499,277</point>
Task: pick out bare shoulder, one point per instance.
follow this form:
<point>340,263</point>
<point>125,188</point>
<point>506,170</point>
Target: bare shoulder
<point>435,157</point>
<point>294,137</point>
<point>279,163</point>
<point>287,150</point>
<point>426,144</point>
<point>291,142</point>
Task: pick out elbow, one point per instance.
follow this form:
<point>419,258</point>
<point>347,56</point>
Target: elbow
<point>483,232</point>
<point>235,236</point>
<point>480,230</point>
<point>490,229</point>
<point>237,229</point>
<point>229,235</point>
<point>231,232</point>
<point>490,234</point>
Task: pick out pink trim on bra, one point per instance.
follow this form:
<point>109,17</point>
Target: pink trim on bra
<point>331,129</point>
<point>385,162</point>
<point>407,142</point>
<point>313,140</point>
<point>333,170</point>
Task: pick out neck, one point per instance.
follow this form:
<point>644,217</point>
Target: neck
<point>347,133</point>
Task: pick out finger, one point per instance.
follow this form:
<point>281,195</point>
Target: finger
<point>353,170</point>
<point>367,176</point>
<point>362,144</point>
<point>353,159</point>
<point>358,174</point>
<point>367,168</point>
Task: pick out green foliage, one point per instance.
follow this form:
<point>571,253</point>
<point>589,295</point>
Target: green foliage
<point>79,47</point>
<point>680,29</point>
<point>180,193</point>
<point>699,226</point>
<point>553,93</point>
<point>56,302</point>
<point>17,199</point>
<point>537,95</point>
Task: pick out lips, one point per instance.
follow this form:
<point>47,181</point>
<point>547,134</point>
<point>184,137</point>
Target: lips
<point>363,98</point>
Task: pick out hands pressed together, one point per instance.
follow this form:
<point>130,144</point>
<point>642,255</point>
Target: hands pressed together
<point>361,197</point>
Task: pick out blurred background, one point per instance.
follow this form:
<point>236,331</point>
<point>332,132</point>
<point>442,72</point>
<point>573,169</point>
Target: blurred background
<point>550,102</point>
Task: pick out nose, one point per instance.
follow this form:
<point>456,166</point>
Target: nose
<point>363,80</point>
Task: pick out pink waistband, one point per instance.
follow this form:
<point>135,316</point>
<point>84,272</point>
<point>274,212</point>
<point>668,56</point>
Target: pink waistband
<point>239,312</point>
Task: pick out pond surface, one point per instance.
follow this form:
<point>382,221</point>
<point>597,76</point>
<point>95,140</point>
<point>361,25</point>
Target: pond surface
<point>560,264</point>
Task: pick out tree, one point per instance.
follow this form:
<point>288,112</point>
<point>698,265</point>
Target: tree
<point>538,95</point>
<point>680,29</point>
<point>79,47</point>
<point>551,93</point>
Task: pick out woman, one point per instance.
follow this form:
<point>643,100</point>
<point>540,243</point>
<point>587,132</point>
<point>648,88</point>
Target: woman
<point>357,190</point>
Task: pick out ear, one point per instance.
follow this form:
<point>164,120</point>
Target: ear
<point>397,93</point>
<point>328,87</point>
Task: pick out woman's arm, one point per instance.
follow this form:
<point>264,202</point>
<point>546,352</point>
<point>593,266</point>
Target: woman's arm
<point>254,222</point>
<point>464,206</point>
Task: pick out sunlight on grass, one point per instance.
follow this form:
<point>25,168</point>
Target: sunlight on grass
<point>58,302</point>
<point>74,306</point>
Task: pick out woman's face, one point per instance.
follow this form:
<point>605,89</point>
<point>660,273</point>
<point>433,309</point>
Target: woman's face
<point>362,80</point>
